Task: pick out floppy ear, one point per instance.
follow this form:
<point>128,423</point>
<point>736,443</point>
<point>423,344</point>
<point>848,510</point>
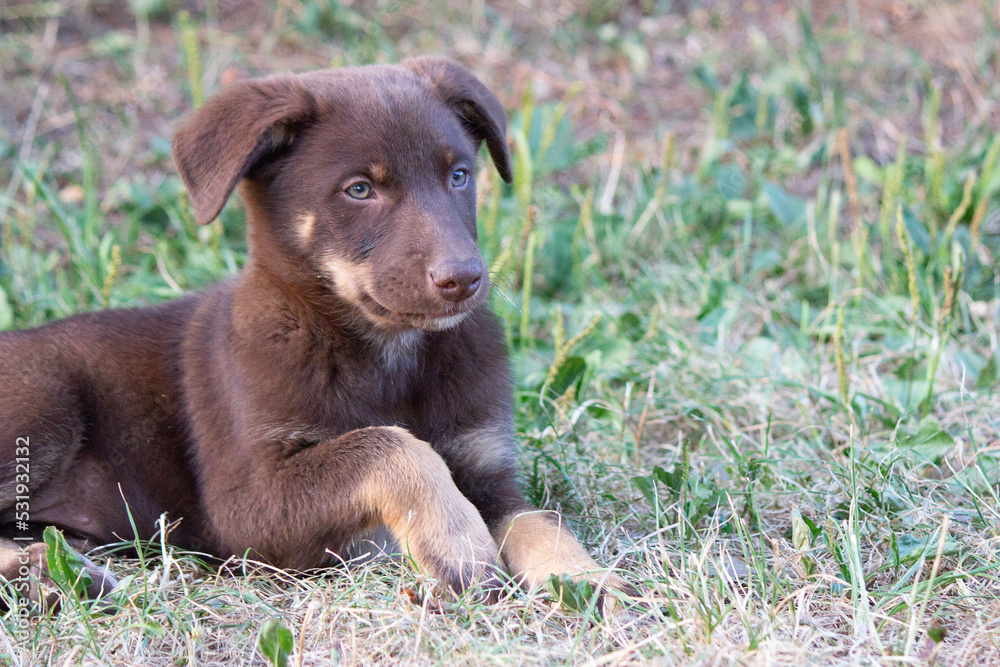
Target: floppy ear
<point>479,109</point>
<point>232,132</point>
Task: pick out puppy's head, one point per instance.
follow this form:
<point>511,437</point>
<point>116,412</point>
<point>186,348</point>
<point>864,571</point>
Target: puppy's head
<point>362,177</point>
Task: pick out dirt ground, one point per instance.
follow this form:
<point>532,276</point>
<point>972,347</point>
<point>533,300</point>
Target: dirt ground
<point>633,64</point>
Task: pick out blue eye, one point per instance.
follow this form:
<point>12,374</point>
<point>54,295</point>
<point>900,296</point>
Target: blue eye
<point>459,178</point>
<point>360,190</point>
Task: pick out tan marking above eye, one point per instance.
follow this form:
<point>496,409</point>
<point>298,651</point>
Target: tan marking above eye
<point>380,171</point>
<point>306,223</point>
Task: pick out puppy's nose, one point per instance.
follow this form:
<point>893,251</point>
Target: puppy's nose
<point>457,280</point>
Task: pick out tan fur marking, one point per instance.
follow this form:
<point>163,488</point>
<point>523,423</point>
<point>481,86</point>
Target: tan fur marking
<point>306,222</point>
<point>413,494</point>
<point>380,171</point>
<point>535,545</point>
<point>347,278</point>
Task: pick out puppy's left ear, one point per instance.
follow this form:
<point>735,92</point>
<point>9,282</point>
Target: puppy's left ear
<point>479,109</point>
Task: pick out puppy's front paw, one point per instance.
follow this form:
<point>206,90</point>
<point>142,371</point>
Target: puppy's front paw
<point>606,596</point>
<point>541,551</point>
<point>462,566</point>
<point>455,547</point>
<point>618,600</point>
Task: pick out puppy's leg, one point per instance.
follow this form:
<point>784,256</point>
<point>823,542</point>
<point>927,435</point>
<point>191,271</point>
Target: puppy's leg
<point>291,508</point>
<point>534,544</point>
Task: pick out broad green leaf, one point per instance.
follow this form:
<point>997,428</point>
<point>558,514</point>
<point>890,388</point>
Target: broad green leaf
<point>630,326</point>
<point>646,487</point>
<point>672,480</point>
<point>572,595</point>
<point>910,548</point>
<point>921,237</point>
<point>730,181</point>
<point>275,641</point>
<point>814,528</point>
<point>714,295</point>
<point>929,440</point>
<point>788,208</point>
<point>66,566</point>
<point>147,8</point>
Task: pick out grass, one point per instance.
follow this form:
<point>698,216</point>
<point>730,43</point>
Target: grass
<point>755,338</point>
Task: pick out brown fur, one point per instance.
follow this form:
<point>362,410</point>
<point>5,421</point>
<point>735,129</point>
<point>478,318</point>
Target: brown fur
<point>349,377</point>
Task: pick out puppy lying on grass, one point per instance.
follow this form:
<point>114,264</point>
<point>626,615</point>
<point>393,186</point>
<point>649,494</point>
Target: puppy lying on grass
<point>349,377</point>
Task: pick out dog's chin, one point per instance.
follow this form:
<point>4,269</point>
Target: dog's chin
<point>401,323</point>
<point>396,322</point>
<point>440,323</point>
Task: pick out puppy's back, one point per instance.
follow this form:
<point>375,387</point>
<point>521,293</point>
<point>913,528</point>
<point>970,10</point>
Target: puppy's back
<point>86,400</point>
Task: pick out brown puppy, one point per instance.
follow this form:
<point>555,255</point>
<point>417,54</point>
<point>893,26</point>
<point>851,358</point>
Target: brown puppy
<point>349,377</point>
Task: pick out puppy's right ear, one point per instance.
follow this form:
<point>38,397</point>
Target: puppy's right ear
<point>232,132</point>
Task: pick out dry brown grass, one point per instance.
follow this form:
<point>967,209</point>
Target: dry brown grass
<point>752,397</point>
